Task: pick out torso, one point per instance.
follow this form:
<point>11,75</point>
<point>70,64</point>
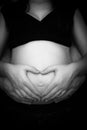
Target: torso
<point>41,53</point>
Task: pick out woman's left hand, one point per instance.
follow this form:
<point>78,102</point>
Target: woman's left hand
<point>64,77</point>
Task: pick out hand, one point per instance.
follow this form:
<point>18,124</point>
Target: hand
<point>16,77</point>
<point>63,78</point>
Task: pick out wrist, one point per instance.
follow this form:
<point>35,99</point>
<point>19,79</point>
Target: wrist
<point>3,69</point>
<point>78,68</point>
<point>74,68</point>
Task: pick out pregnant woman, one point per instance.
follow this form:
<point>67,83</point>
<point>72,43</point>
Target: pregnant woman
<point>44,54</point>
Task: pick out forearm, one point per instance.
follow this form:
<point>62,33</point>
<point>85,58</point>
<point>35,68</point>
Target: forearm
<point>4,61</point>
<point>2,69</point>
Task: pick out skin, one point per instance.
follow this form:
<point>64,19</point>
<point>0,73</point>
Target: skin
<point>39,8</point>
<point>67,72</point>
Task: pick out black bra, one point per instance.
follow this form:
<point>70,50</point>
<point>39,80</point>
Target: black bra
<point>55,27</point>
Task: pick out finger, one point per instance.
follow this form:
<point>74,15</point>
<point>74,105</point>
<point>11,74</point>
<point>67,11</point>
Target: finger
<point>24,93</point>
<point>14,94</point>
<point>51,93</point>
<point>8,85</point>
<point>54,93</point>
<point>50,87</point>
<point>29,94</point>
<point>18,92</point>
<point>21,93</point>
<point>22,85</point>
<point>11,87</point>
<point>32,69</point>
<point>49,69</point>
<point>28,85</point>
<point>30,89</point>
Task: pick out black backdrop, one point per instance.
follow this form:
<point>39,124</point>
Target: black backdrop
<point>71,111</point>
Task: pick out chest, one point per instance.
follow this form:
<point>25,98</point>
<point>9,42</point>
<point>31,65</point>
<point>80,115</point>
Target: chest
<point>54,27</point>
<point>54,21</point>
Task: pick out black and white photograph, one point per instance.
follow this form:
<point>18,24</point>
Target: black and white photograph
<point>43,63</point>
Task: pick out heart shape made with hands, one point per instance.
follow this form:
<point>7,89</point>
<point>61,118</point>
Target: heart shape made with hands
<point>40,80</point>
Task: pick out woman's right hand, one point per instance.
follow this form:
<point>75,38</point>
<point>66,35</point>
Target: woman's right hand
<point>16,81</point>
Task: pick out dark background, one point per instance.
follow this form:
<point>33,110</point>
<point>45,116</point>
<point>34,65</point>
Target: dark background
<point>68,112</point>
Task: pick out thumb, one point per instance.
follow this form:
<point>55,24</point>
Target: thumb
<point>31,69</point>
<point>49,70</point>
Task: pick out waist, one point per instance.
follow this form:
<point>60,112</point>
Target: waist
<point>41,54</point>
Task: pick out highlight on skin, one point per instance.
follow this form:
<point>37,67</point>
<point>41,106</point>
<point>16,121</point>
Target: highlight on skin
<point>40,91</point>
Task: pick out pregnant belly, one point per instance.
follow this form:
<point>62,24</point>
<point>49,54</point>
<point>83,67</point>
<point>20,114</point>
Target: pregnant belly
<point>40,54</point>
